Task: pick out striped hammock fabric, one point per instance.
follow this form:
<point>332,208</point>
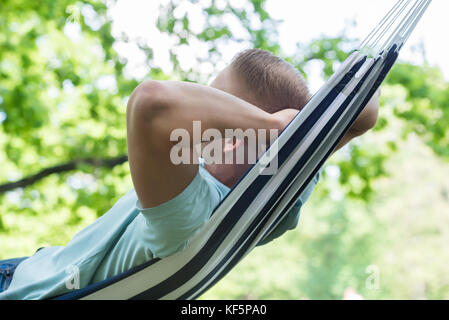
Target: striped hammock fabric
<point>259,202</point>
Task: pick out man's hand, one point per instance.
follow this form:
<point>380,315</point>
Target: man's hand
<point>284,117</point>
<point>365,122</point>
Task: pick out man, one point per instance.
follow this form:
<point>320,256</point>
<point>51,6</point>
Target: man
<point>171,201</point>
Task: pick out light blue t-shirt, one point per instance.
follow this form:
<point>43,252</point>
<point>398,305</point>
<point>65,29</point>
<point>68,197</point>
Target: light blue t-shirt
<point>127,236</point>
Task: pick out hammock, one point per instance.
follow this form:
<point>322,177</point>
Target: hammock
<point>256,205</point>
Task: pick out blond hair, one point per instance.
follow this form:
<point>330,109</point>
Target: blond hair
<point>274,82</point>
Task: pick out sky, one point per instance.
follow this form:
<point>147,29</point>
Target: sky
<point>302,21</point>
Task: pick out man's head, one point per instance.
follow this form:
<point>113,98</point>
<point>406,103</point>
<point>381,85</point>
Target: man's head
<point>264,80</point>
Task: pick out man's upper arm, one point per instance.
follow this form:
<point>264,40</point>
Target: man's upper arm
<point>156,179</point>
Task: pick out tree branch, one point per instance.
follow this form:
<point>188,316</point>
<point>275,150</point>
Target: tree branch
<point>69,166</point>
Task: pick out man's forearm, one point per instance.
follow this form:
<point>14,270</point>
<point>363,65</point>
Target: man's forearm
<point>156,109</point>
<point>170,105</point>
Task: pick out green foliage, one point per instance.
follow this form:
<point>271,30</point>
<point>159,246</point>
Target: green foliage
<point>253,28</point>
<point>340,244</point>
<point>63,97</point>
<point>426,106</point>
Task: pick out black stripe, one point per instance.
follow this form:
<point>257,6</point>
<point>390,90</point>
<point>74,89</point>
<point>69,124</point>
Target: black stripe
<point>235,213</point>
<point>388,64</point>
<point>100,285</point>
<point>78,294</point>
<point>274,201</point>
<point>300,133</point>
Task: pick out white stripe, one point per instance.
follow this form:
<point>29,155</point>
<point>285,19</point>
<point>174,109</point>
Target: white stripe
<point>259,203</point>
<point>165,268</point>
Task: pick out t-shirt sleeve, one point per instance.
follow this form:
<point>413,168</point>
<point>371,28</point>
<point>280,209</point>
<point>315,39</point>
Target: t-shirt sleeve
<point>172,224</point>
<point>291,220</point>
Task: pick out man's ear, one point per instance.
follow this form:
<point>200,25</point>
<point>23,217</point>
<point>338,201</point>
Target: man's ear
<point>231,144</point>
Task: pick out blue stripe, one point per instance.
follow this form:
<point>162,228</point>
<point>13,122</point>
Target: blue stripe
<point>388,64</point>
<point>271,206</point>
<point>284,153</point>
<point>392,56</point>
<point>78,294</point>
<point>235,213</point>
<point>305,127</point>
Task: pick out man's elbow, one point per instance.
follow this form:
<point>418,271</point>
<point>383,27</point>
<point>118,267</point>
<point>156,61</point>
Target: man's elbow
<point>366,121</point>
<point>372,118</point>
<point>147,102</point>
<point>371,112</point>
